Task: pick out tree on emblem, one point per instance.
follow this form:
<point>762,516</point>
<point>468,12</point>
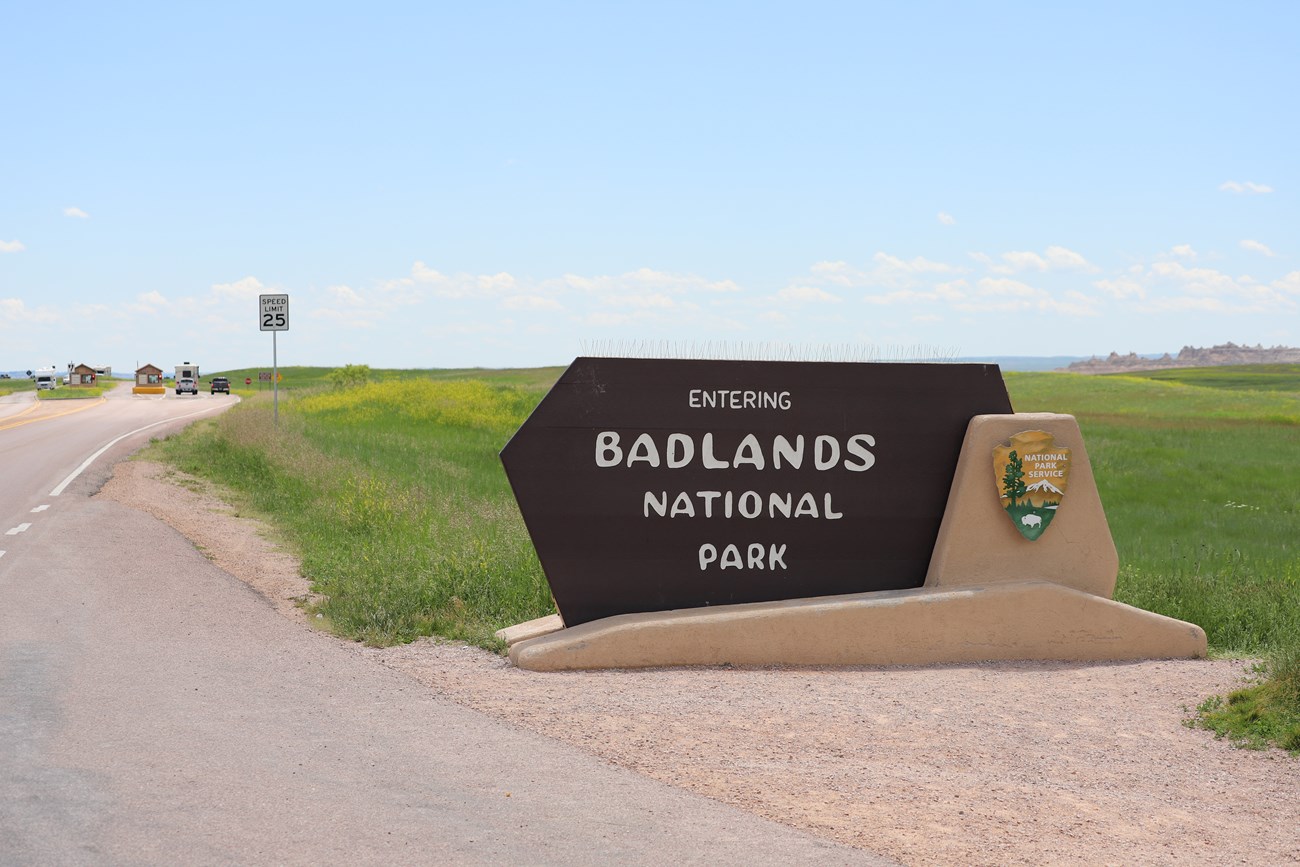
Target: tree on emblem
<point>1013,480</point>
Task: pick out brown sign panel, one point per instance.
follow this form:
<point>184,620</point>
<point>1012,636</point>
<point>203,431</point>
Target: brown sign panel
<point>649,485</point>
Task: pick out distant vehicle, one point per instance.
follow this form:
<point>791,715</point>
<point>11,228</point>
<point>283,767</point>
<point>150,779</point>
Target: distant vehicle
<point>47,378</point>
<point>219,383</point>
<point>186,386</point>
<point>4,376</point>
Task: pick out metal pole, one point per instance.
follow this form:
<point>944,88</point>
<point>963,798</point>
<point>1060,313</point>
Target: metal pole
<point>275,376</point>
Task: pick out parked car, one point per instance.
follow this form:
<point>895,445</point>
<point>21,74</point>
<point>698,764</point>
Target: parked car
<point>219,383</point>
<point>186,386</point>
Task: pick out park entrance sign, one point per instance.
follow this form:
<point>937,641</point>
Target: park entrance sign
<point>652,485</point>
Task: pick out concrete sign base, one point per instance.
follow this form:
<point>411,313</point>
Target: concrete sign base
<point>990,594</point>
<point>1029,620</point>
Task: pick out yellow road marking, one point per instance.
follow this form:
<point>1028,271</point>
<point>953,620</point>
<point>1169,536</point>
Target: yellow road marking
<point>48,417</point>
<point>36,404</point>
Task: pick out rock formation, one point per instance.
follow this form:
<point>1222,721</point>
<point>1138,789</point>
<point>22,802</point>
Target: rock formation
<point>1189,356</point>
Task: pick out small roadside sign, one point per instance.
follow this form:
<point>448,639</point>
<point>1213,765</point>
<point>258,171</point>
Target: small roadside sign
<point>275,313</point>
<point>248,380</point>
<point>264,376</point>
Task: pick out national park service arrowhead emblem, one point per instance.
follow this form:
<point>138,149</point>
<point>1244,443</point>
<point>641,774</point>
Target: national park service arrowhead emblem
<point>1031,473</point>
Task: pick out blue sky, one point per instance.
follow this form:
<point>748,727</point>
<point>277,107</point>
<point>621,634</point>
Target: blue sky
<point>502,184</point>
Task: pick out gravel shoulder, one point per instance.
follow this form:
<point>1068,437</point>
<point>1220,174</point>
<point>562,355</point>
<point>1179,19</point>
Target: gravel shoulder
<point>996,763</point>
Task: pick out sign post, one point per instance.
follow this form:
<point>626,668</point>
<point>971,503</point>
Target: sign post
<point>274,317</point>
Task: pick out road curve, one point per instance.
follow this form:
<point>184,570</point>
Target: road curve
<point>154,710</point>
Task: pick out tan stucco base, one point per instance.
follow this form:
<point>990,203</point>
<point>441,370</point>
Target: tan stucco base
<point>1028,620</point>
<point>530,629</point>
<point>979,545</point>
<point>149,389</point>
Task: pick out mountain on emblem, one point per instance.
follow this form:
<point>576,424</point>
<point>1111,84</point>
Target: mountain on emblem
<point>1031,473</point>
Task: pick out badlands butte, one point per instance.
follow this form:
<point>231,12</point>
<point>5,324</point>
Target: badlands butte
<point>1189,356</point>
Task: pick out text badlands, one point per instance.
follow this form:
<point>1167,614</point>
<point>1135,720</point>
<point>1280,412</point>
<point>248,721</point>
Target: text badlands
<point>823,452</point>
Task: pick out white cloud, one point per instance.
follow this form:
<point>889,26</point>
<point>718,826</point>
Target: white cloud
<point>492,283</point>
<point>14,311</point>
<point>1290,283</point>
<point>424,274</point>
<point>1199,281</point>
<point>455,286</point>
<point>607,320</point>
<point>648,278</point>
<point>345,295</point>
<point>1172,286</point>
<point>1245,187</point>
<point>947,219</point>
<point>644,288</point>
<point>1185,304</point>
<point>1059,257</point>
<point>531,302</point>
<point>648,301</point>
<point>241,290</point>
<point>1005,295</point>
<point>76,212</point>
<point>806,294</point>
<point>918,265</point>
<point>1257,247</point>
<point>1003,288</point>
<point>1054,258</point>
<point>153,303</point>
<point>1122,287</point>
<point>950,292</point>
<point>887,271</point>
<point>1021,261</point>
<point>12,246</point>
<point>1185,251</point>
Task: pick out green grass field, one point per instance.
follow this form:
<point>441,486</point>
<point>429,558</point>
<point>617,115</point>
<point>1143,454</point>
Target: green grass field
<point>1201,488</point>
<point>76,392</point>
<point>1255,377</point>
<point>393,496</point>
<point>300,378</point>
<point>391,493</point>
<point>9,386</point>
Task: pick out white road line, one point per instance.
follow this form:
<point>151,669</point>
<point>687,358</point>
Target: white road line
<point>21,528</point>
<point>2,553</point>
<point>41,508</point>
<point>90,460</point>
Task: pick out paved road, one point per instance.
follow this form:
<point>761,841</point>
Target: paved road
<point>154,710</point>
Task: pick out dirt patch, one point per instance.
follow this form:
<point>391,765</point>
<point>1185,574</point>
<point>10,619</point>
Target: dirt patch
<point>997,763</point>
<point>238,544</point>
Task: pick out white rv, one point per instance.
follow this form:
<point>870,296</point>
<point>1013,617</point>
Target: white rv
<point>46,378</point>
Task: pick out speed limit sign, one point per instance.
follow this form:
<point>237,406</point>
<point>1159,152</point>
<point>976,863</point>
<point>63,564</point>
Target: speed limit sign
<point>275,313</point>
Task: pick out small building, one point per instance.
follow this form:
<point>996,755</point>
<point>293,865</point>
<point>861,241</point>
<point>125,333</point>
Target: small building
<point>187,371</point>
<point>82,374</point>
<point>149,380</point>
<point>104,372</point>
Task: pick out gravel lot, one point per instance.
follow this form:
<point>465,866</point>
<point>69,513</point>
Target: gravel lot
<point>998,763</point>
